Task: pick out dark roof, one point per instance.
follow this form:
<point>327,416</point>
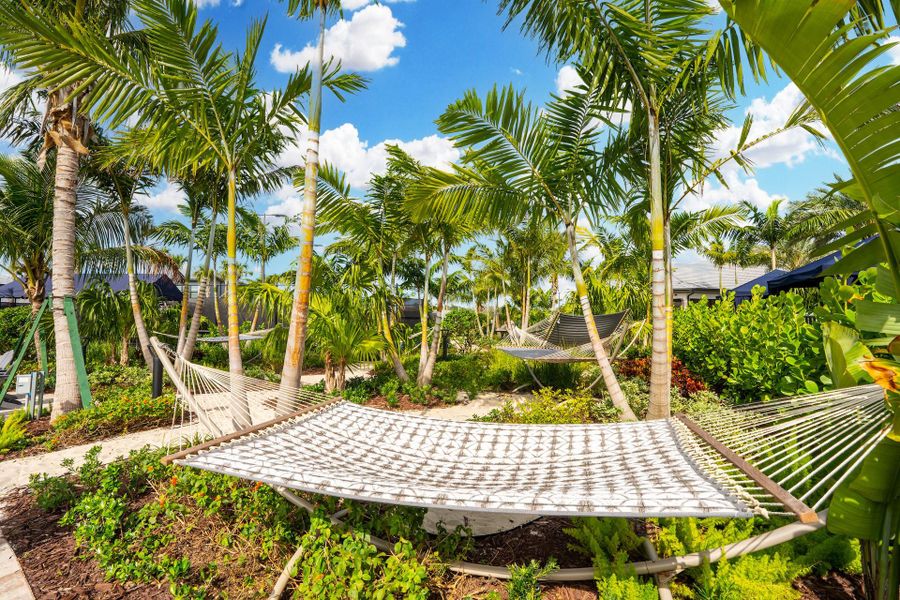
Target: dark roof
<point>166,289</point>
<point>804,277</point>
<point>743,291</point>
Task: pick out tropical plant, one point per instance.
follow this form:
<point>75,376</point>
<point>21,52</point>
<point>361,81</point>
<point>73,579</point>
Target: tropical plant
<point>344,334</point>
<point>65,128</point>
<point>521,162</point>
<point>831,53</point>
<point>202,111</point>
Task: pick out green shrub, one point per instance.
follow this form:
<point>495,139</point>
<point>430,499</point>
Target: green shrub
<point>610,543</point>
<point>761,577</point>
<point>343,564</point>
<point>12,432</point>
<point>115,410</point>
<point>461,327</point>
<point>551,406</point>
<point>523,580</point>
<point>762,348</point>
<point>52,493</point>
<point>13,321</point>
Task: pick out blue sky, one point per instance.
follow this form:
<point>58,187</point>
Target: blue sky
<point>420,55</point>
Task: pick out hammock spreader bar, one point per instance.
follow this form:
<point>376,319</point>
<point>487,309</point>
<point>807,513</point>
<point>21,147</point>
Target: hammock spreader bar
<point>804,513</point>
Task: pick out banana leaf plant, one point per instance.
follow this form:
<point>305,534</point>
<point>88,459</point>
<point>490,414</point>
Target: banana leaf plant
<point>835,53</point>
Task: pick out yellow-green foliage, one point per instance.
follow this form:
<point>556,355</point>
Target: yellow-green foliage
<point>13,430</point>
<point>761,577</point>
<point>613,587</point>
<point>553,406</point>
<point>610,542</point>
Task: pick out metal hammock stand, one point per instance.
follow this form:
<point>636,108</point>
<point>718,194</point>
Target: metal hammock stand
<point>783,457</point>
<point>563,339</point>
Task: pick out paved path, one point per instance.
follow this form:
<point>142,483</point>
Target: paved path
<point>13,585</point>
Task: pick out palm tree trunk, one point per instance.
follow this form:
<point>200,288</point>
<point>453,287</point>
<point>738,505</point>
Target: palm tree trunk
<point>660,367</point>
<point>296,343</point>
<point>186,296</point>
<point>477,315</point>
<point>123,351</point>
<point>240,415</point>
<point>262,279</point>
<point>423,344</point>
<point>399,369</point>
<point>37,299</point>
<point>609,377</point>
<point>215,290</point>
<point>139,326</point>
<point>426,375</point>
<point>773,257</point>
<point>526,308</point>
<point>187,350</point>
<point>66,397</point>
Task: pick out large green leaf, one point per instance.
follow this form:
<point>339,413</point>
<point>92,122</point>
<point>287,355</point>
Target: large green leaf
<point>839,67</point>
<point>878,317</point>
<point>879,474</point>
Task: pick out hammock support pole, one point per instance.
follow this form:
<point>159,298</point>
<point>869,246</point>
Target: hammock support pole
<point>674,564</point>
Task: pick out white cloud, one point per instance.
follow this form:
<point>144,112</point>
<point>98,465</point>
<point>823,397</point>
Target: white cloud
<point>364,43</point>
<point>894,52</point>
<point>790,147</point>
<point>207,3</point>
<point>353,4</point>
<point>8,78</point>
<point>567,80</point>
<point>343,148</point>
<point>739,188</point>
<point>166,199</point>
<point>516,71</point>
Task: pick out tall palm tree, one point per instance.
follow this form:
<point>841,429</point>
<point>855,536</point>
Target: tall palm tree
<point>293,354</point>
<point>122,185</point>
<point>65,128</point>
<point>261,243</point>
<point>523,161</point>
<point>767,228</point>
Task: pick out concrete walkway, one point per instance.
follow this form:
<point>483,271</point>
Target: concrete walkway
<point>13,585</point>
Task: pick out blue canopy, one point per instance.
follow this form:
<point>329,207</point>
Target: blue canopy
<point>804,277</point>
<point>743,291</point>
<point>165,287</point>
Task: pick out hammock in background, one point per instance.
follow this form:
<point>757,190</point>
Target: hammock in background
<point>560,338</point>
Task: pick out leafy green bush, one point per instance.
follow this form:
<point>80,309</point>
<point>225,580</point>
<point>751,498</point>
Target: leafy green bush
<point>13,321</point>
<point>343,564</point>
<point>462,328</point>
<point>609,543</point>
<point>116,410</point>
<point>762,348</point>
<point>12,432</point>
<point>552,406</point>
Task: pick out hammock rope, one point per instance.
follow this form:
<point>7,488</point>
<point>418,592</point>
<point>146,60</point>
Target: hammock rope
<point>303,440</point>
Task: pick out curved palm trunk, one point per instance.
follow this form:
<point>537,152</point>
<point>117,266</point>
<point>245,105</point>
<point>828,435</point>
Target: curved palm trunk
<point>186,297</point>
<point>240,415</point>
<point>478,315</point>
<point>66,396</point>
<point>139,325</point>
<point>609,377</point>
<point>423,343</point>
<point>215,290</point>
<point>774,259</point>
<point>190,341</point>
<point>296,342</point>
<point>660,367</point>
<point>425,375</point>
<point>399,369</point>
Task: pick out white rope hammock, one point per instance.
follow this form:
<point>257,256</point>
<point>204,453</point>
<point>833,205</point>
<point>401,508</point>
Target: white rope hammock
<point>782,457</point>
<point>559,338</point>
<point>221,339</point>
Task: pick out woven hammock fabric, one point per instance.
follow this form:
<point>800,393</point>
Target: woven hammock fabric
<point>559,338</point>
<point>622,469</point>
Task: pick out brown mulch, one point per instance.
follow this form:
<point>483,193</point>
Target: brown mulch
<point>465,587</point>
<point>833,586</point>
<point>54,567</point>
<point>539,540</point>
<point>404,402</point>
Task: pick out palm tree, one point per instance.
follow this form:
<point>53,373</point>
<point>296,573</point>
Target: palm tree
<point>372,231</point>
<point>261,243</point>
<point>767,228</point>
<point>293,354</point>
<point>185,122</point>
<point>67,130</point>
<point>521,162</point>
<point>343,334</point>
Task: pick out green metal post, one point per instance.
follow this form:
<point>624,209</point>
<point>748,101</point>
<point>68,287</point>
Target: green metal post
<point>21,348</point>
<point>80,371</point>
<point>44,357</point>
